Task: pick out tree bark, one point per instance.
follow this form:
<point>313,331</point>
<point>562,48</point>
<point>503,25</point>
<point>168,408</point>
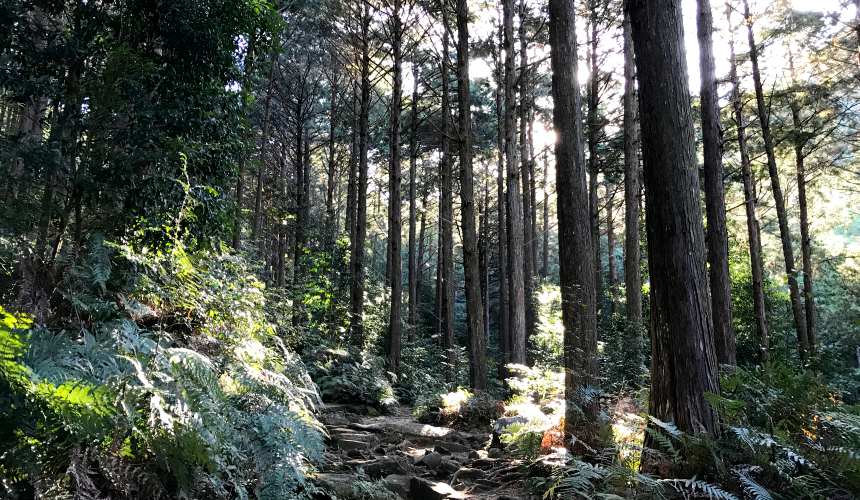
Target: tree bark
<point>750,203</point>
<point>525,174</point>
<point>357,250</point>
<point>261,170</point>
<point>576,253</point>
<point>395,224</point>
<point>502,271</point>
<point>593,161</point>
<point>471,265</point>
<point>331,216</point>
<point>799,141</point>
<point>683,362</point>
<point>413,156</point>
<point>610,248</point>
<point>516,234</point>
<point>715,195</point>
<point>632,201</point>
<point>545,222</point>
<point>779,200</point>
<point>446,216</point>
<point>351,187</point>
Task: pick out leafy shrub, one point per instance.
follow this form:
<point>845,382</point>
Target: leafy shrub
<point>460,408</point>
<point>343,377</point>
<point>162,379</point>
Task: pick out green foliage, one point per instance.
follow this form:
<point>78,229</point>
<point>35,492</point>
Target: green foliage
<point>461,408</point>
<point>176,388</point>
<point>358,379</point>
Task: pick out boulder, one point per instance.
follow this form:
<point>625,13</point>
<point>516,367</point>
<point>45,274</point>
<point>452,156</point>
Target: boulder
<point>432,460</point>
<point>384,466</point>
<point>398,483</point>
<point>339,484</point>
<point>423,489</point>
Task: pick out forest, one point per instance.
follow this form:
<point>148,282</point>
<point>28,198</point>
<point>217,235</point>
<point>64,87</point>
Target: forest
<point>429,249</point>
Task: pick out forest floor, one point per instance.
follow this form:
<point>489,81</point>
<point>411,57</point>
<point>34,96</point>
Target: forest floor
<point>414,461</point>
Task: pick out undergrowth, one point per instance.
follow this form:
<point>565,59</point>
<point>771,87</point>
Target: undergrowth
<point>157,376</point>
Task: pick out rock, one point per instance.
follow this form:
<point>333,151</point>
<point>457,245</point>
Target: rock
<point>432,460</point>
<point>379,450</point>
<point>422,489</point>
<point>383,467</point>
<point>484,463</point>
<point>398,483</point>
<point>468,474</point>
<point>339,484</point>
<point>351,444</point>
<point>494,453</point>
<point>355,454</point>
<point>477,454</point>
<point>441,450</point>
<point>404,425</point>
<point>453,447</point>
<point>449,466</point>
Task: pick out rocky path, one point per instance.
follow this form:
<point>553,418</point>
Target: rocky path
<point>413,460</point>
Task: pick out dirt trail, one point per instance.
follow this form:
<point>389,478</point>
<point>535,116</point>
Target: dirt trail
<point>414,460</point>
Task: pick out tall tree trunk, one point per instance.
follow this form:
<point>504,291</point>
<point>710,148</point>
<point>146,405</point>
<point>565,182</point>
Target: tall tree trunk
<point>413,156</point>
<point>471,267</point>
<point>610,248</point>
<point>357,250</point>
<point>395,224</point>
<point>750,202</point>
<point>578,294</point>
<point>351,183</point>
<point>419,268</point>
<point>261,170</point>
<point>545,221</point>
<point>593,160</point>
<point>799,141</point>
<point>779,200</point>
<point>331,215</point>
<point>446,216</point>
<point>683,362</point>
<point>715,196</point>
<point>516,245</point>
<point>502,271</point>
<point>525,174</point>
<point>632,200</point>
<point>248,64</point>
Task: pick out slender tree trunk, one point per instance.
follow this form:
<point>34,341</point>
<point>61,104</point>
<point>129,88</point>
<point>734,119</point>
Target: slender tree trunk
<point>357,253</point>
<point>331,215</point>
<point>578,295</point>
<point>593,160</point>
<point>446,216</point>
<point>610,248</point>
<point>525,171</point>
<point>715,196</point>
<point>779,200</point>
<point>683,362</point>
<point>632,200</point>
<point>240,175</point>
<point>471,265</point>
<point>261,170</point>
<point>351,183</point>
<point>502,271</point>
<point>413,156</point>
<point>419,273</point>
<point>516,245</point>
<point>799,141</point>
<point>545,221</point>
<point>750,202</point>
<point>395,224</point>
